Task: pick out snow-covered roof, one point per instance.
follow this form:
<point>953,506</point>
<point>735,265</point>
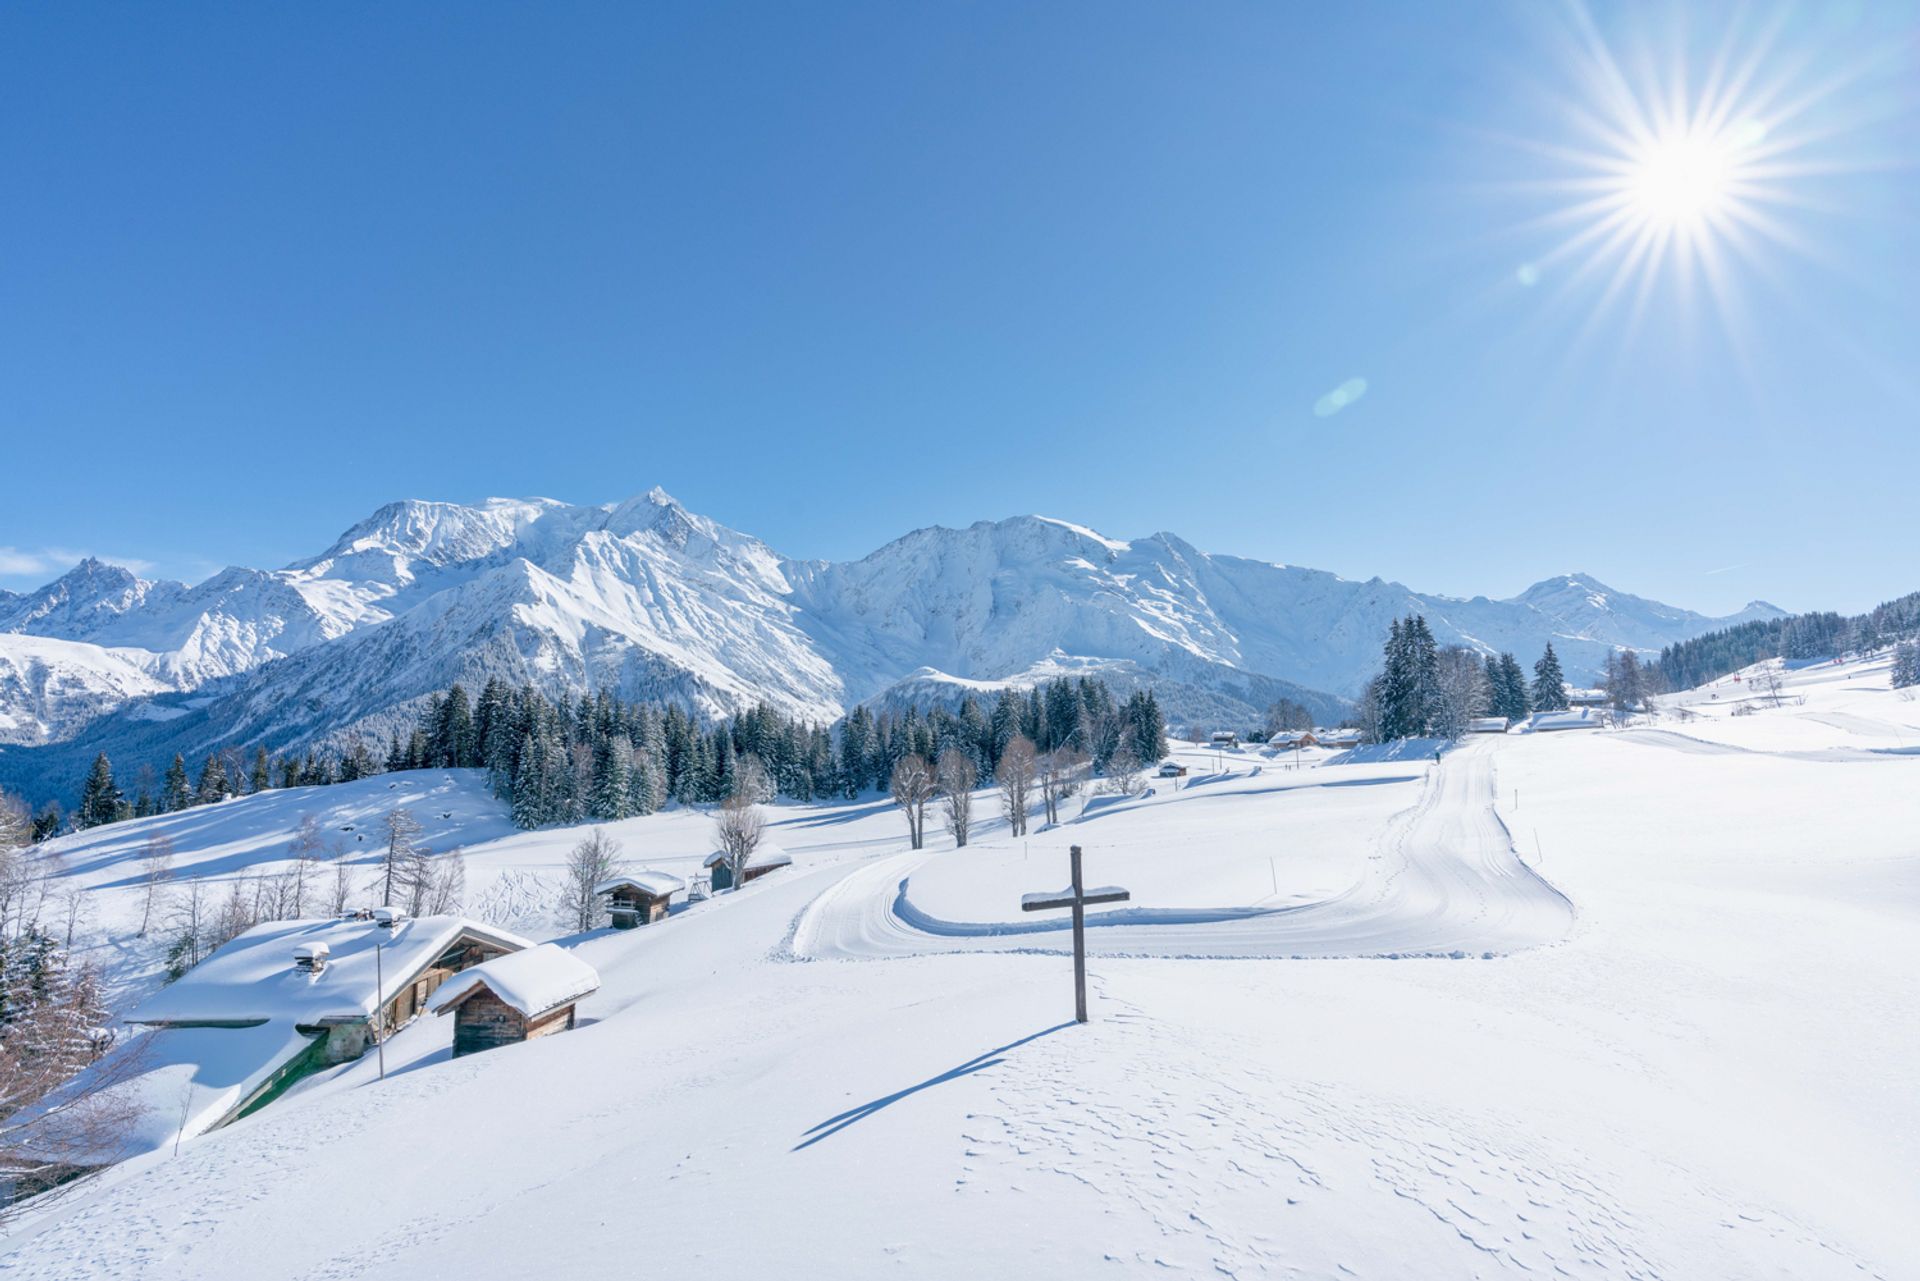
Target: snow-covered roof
<point>1577,718</point>
<point>253,979</point>
<point>161,1085</point>
<point>765,856</point>
<point>533,982</point>
<point>646,880</point>
<point>1487,724</point>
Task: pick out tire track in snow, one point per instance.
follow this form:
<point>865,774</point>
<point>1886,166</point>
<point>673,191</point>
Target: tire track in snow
<point>1443,880</point>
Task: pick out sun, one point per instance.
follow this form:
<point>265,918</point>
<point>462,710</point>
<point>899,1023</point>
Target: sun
<point>1677,168</point>
<point>1688,180</point>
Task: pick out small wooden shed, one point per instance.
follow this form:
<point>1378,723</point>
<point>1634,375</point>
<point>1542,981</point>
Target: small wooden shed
<point>1487,725</point>
<point>639,898</point>
<point>515,998</point>
<point>767,858</point>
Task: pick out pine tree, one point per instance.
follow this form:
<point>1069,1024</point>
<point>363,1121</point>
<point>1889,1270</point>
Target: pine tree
<point>1549,685</point>
<point>529,801</point>
<point>1513,686</point>
<point>612,782</point>
<point>213,785</point>
<point>1906,664</point>
<point>99,799</point>
<point>262,774</point>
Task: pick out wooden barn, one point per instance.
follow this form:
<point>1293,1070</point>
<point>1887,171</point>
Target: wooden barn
<point>768,858</point>
<point>639,898</point>
<point>515,998</point>
<point>1173,769</point>
<point>1487,725</point>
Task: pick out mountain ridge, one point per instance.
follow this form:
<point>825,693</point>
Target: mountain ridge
<point>648,599</point>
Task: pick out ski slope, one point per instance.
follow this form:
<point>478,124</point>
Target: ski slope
<point>1441,878</point>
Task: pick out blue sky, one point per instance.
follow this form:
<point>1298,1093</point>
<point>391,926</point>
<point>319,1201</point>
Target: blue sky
<point>832,272</point>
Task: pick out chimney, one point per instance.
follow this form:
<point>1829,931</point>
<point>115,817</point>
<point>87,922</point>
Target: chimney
<point>388,917</point>
<point>311,958</point>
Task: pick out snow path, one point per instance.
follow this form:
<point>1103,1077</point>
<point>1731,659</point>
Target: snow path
<point>1443,880</point>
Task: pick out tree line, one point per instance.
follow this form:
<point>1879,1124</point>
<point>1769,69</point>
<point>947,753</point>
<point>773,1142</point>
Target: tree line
<point>1691,663</point>
<point>1427,690</point>
<point>567,759</point>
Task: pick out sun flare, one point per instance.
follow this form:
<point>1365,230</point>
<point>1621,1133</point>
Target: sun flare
<point>1679,167</point>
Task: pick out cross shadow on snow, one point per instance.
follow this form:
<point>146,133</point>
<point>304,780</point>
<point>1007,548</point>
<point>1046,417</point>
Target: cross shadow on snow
<point>978,1063</point>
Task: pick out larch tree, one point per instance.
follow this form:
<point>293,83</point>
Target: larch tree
<point>738,827</point>
<point>402,832</point>
<point>912,785</point>
<point>956,778</point>
<point>1018,767</point>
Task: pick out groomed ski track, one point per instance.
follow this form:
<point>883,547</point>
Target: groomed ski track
<point>1443,879</point>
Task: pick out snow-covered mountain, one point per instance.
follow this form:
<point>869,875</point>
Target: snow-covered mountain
<point>650,600</point>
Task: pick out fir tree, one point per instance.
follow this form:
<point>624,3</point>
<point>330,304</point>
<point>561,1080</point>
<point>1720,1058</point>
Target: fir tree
<point>1549,686</point>
<point>213,785</point>
<point>176,793</point>
<point>1518,702</point>
<point>99,799</point>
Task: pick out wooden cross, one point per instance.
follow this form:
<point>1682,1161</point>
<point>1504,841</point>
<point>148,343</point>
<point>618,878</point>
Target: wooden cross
<point>1076,896</point>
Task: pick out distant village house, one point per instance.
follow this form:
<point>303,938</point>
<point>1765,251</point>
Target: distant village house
<point>767,858</point>
<point>639,898</point>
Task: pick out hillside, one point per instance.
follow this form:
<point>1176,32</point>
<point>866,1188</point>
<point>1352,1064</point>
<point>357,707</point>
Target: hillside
<point>857,1053</point>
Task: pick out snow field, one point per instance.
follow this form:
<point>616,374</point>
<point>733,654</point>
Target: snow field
<point>1704,1073</point>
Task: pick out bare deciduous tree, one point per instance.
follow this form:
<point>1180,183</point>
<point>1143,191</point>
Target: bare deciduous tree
<point>911,786</point>
<point>401,828</point>
<point>53,1121</point>
<point>956,778</point>
<point>1123,771</point>
<point>751,779</point>
<point>447,884</point>
<point>156,869</point>
<point>1015,775</point>
<point>738,827</point>
<point>340,893</point>
<point>189,920</point>
<point>1060,771</point>
<point>592,861</point>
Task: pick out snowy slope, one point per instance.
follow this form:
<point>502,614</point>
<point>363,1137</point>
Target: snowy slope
<point>1704,1073</point>
<point>49,689</point>
<point>651,600</point>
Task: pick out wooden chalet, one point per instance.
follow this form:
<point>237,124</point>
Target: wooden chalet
<point>279,1002</point>
<point>515,998</point>
<point>639,898</point>
<point>767,858</point>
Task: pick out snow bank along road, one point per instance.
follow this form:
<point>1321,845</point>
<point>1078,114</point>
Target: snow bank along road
<point>1443,879</point>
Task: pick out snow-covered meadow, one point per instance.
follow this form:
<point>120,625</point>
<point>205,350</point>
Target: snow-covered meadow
<point>1601,1003</point>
